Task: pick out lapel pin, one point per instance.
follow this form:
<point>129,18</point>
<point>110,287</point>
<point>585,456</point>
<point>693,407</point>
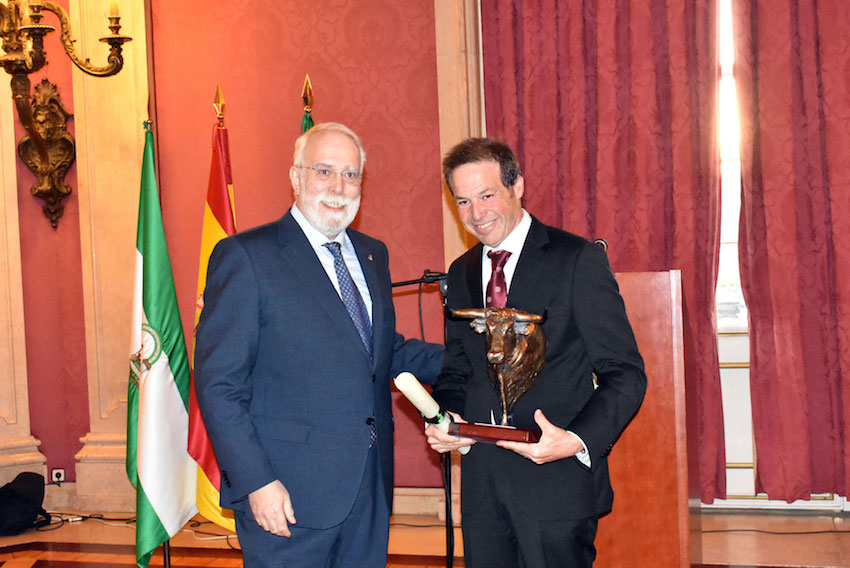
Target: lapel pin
<point>370,258</point>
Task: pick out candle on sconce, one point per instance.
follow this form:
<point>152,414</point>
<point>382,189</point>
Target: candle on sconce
<point>32,7</point>
<point>113,9</point>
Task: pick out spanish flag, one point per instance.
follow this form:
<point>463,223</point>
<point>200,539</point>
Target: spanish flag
<point>219,222</point>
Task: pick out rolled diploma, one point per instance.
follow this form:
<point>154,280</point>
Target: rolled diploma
<point>413,390</point>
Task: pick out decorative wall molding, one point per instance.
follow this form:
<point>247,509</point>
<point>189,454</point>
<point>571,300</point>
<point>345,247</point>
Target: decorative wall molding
<point>102,483</point>
<point>110,139</point>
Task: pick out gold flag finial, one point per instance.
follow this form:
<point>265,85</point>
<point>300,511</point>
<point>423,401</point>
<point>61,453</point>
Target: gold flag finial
<point>307,93</point>
<point>218,104</point>
<point>307,96</point>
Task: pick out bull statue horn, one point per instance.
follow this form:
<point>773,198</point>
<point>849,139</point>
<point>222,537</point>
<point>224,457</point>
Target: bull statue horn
<point>533,318</point>
<point>469,313</point>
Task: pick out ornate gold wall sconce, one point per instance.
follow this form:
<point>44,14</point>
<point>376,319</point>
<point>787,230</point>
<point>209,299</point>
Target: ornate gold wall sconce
<point>46,149</point>
<point>49,121</point>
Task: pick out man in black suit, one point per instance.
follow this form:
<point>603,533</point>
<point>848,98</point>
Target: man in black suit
<point>295,348</point>
<point>534,505</point>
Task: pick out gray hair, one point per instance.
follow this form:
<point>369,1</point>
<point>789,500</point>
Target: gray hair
<point>301,142</point>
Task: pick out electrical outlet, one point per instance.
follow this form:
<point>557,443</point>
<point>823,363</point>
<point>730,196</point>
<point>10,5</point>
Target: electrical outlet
<point>57,475</point>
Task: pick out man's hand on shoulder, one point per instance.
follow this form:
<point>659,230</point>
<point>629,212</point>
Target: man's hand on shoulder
<point>272,508</point>
<point>555,443</point>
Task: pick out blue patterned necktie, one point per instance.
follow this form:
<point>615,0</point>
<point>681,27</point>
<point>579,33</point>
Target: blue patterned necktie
<point>351,297</point>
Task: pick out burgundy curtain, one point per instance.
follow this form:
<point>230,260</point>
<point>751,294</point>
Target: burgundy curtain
<point>793,76</point>
<point>610,105</point>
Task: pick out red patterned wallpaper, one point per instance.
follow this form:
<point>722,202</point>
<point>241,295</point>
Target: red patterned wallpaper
<point>373,66</point>
<point>53,294</point>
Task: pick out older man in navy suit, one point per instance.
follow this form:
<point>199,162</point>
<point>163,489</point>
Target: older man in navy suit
<point>534,505</point>
<point>295,348</point>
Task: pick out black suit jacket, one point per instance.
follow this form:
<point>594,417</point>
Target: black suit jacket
<point>587,332</point>
<point>285,385</point>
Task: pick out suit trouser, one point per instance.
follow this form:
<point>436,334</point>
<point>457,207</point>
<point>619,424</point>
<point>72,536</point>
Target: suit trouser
<point>498,533</point>
<point>359,541</point>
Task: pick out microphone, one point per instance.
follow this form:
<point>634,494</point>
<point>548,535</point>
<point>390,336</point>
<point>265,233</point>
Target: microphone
<point>413,390</point>
<point>429,277</point>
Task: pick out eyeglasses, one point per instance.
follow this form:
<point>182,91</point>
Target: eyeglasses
<point>327,173</point>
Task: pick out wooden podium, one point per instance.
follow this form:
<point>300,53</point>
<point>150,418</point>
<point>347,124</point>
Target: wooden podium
<point>655,521</point>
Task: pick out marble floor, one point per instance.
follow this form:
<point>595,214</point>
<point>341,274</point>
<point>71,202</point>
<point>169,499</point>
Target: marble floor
<point>739,539</point>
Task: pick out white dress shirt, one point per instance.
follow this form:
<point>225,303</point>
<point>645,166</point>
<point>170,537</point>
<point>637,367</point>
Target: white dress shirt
<point>318,240</point>
<point>513,243</point>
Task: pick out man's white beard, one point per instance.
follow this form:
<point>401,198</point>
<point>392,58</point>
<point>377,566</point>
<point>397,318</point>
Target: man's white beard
<point>326,222</point>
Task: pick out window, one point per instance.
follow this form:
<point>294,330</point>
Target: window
<point>731,309</point>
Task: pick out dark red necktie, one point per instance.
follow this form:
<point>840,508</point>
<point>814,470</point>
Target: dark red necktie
<point>497,288</point>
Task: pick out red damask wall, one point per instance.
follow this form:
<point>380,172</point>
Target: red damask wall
<point>373,67</point>
<point>53,295</point>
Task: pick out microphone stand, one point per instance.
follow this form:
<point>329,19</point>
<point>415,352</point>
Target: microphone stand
<point>430,277</point>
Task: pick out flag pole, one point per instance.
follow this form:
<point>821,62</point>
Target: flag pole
<point>166,546</point>
<point>158,382</point>
<point>219,221</point>
<point>166,554</point>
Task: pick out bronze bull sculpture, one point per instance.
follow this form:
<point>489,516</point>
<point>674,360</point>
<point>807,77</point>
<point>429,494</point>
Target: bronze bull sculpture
<point>516,349</point>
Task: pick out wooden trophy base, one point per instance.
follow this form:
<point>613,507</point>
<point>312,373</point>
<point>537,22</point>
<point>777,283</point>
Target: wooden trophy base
<point>491,434</point>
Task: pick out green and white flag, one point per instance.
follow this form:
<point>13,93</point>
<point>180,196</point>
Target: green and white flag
<point>158,462</point>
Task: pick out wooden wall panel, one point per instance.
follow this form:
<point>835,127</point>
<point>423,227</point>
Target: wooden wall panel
<point>655,521</point>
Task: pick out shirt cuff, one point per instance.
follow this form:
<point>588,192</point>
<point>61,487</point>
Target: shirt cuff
<point>583,456</point>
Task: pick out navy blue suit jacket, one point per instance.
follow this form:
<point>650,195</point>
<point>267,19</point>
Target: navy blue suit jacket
<point>285,385</point>
<point>587,332</point>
